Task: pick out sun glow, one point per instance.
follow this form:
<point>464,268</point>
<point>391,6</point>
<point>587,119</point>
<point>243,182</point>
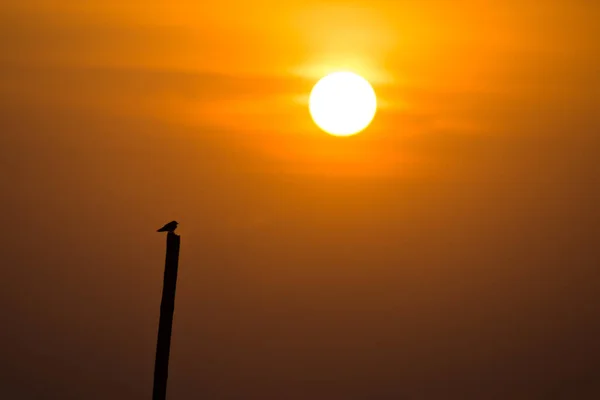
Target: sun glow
<point>342,103</point>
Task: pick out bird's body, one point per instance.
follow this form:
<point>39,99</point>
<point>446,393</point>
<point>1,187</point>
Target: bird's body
<point>170,227</point>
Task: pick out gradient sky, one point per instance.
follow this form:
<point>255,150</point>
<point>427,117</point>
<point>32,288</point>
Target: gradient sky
<point>450,251</point>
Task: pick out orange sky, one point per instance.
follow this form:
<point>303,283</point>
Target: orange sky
<point>447,250</point>
<point>441,69</point>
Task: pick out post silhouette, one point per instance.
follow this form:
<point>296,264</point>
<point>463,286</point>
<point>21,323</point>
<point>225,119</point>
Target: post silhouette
<point>165,324</point>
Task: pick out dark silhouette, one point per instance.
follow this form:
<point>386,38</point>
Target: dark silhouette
<point>170,227</point>
<point>167,307</point>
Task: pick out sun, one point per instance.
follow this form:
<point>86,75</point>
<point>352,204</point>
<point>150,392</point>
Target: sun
<point>342,103</point>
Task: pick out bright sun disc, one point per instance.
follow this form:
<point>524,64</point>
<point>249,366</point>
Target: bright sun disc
<point>342,103</point>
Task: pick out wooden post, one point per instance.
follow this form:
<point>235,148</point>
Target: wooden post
<point>165,325</point>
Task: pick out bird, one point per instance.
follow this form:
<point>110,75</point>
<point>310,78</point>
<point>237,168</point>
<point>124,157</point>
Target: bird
<point>170,227</point>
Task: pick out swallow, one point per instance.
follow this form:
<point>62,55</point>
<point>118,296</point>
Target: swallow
<point>170,227</point>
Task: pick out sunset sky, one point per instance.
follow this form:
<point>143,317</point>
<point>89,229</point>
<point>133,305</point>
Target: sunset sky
<point>448,251</point>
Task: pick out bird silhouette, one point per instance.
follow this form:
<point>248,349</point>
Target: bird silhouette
<point>170,227</point>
